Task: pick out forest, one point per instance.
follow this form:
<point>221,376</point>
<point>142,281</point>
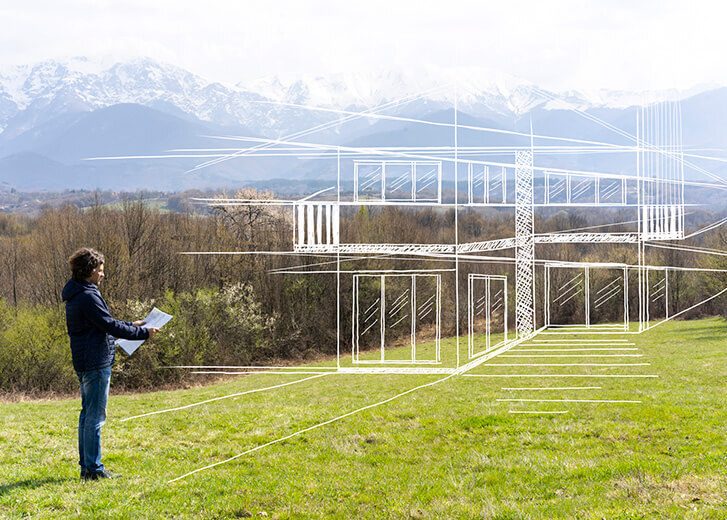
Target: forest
<point>231,308</point>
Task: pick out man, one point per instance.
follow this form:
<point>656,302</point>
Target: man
<point>92,330</point>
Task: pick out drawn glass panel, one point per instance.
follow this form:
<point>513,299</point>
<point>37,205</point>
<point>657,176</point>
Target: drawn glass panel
<point>397,311</point>
<point>606,296</point>
<point>658,285</point>
<point>610,191</point>
<point>582,190</point>
<point>369,180</point>
<point>496,186</point>
<point>566,298</point>
<point>367,314</point>
<point>426,347</point>
<point>487,313</point>
<point>427,181</point>
<point>399,181</point>
<point>557,186</point>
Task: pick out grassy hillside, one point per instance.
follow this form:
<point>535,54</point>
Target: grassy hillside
<point>450,450</point>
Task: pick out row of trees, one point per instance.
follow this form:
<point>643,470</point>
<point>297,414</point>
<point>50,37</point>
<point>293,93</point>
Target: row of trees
<point>229,308</point>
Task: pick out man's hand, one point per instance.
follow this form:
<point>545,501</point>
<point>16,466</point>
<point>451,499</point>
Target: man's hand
<point>152,331</point>
<point>138,323</point>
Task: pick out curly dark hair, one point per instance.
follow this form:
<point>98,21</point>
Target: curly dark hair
<point>83,262</point>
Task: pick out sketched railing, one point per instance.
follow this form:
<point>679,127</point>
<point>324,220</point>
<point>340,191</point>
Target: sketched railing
<point>316,224</point>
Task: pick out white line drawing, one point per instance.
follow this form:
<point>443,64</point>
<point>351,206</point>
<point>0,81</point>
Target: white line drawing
<point>568,349</point>
<point>584,376</point>
<point>582,344</point>
<point>539,412</point>
<point>567,355</point>
<point>528,388</point>
<point>414,304</point>
<point>487,306</point>
<point>568,401</point>
<point>315,426</point>
<point>230,396</point>
<point>566,364</point>
<point>266,372</point>
<point>578,343</point>
<point>490,294</point>
<point>292,368</point>
<point>514,294</point>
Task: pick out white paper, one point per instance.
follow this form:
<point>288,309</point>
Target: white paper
<point>156,320</point>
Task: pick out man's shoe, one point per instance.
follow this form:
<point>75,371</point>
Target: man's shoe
<point>101,475</point>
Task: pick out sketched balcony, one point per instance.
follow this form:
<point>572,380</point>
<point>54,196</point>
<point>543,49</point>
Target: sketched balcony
<point>397,181</point>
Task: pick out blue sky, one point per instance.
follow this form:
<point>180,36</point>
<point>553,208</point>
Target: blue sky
<point>558,44</point>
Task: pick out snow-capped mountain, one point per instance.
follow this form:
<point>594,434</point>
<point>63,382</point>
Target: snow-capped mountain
<point>370,89</point>
<point>55,114</point>
<point>30,95</point>
<point>271,106</point>
<point>475,90</point>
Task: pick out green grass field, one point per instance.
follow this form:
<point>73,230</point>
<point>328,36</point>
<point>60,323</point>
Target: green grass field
<point>450,450</point>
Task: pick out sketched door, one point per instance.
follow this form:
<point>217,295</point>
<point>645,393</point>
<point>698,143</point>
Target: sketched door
<point>657,294</point>
<point>586,297</point>
<point>399,314</point>
<point>487,317</point>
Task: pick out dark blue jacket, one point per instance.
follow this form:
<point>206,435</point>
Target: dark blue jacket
<point>92,329</point>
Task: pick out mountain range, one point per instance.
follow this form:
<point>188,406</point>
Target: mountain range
<point>56,114</point>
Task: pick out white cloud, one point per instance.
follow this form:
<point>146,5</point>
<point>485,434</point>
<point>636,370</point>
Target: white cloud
<point>556,43</point>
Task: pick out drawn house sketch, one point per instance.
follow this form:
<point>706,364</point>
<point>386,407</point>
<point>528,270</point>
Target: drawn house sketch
<point>446,301</point>
<point>487,293</point>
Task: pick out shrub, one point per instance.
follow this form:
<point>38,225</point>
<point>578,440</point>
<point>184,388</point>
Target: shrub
<point>209,327</point>
<point>35,355</point>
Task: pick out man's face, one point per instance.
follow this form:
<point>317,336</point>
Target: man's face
<point>97,275</point>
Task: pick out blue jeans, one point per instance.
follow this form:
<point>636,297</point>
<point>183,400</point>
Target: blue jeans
<point>94,396</point>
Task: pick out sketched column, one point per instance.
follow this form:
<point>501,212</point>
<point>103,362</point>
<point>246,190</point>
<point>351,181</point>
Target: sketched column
<point>524,245</point>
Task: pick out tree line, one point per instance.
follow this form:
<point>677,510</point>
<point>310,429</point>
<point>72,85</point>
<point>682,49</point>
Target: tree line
<point>228,308</point>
